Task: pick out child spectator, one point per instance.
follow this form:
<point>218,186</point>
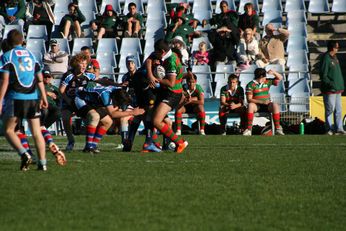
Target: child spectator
<point>73,21</point>
<point>133,22</point>
<point>248,48</point>
<point>201,57</point>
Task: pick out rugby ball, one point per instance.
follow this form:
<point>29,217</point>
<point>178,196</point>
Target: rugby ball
<point>159,72</point>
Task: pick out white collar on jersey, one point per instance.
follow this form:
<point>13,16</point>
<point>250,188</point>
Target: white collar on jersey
<point>167,55</point>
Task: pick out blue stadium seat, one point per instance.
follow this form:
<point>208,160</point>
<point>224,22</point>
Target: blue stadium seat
<point>139,4</point>
<point>37,32</point>
<point>61,6</point>
<point>63,44</point>
<point>38,55</point>
<point>106,58</point>
<point>297,57</point>
<point>273,16</point>
<point>114,3</point>
<point>219,84</point>
<point>279,89</point>
<point>277,68</point>
<point>297,29</point>
<point>243,2</point>
<point>299,102</point>
<point>339,6</point>
<point>225,68</point>
<point>78,43</point>
<point>156,19</point>
<point>300,67</point>
<point>297,73</point>
<point>89,5</point>
<point>130,45</point>
<point>89,16</point>
<point>247,75</point>
<point>270,5</point>
<point>231,5</point>
<point>318,6</point>
<point>58,16</point>
<point>201,5</point>
<point>36,45</point>
<point>202,14</point>
<point>156,5</point>
<point>206,85</point>
<point>296,43</point>
<point>8,28</point>
<point>294,5</point>
<point>107,45</point>
<point>196,42</point>
<point>300,85</point>
<point>202,71</point>
<point>155,32</point>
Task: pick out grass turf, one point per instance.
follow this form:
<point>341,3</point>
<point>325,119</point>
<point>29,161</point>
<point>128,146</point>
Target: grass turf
<point>218,183</point>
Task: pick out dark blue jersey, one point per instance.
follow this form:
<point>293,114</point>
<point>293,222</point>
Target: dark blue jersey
<point>72,82</point>
<point>99,96</point>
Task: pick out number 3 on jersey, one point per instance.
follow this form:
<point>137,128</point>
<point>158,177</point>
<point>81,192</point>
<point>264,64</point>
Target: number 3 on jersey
<point>26,64</point>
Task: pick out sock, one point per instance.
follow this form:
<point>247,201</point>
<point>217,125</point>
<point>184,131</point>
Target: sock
<point>90,135</point>
<point>178,120</point>
<point>149,132</point>
<point>100,131</point>
<point>21,151</point>
<point>133,127</point>
<point>168,132</point>
<point>243,120</point>
<point>124,132</point>
<point>201,118</point>
<point>24,140</point>
<point>249,120</point>
<point>223,120</point>
<point>276,118</point>
<point>155,137</point>
<point>47,136</point>
<point>42,162</point>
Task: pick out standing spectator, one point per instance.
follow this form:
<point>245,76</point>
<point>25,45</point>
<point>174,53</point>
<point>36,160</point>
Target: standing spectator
<point>12,12</point>
<point>71,22</point>
<point>55,61</point>
<point>248,47</point>
<point>201,57</point>
<point>332,86</point>
<point>108,24</point>
<point>39,12</point>
<point>249,19</point>
<point>178,43</point>
<point>271,47</point>
<point>231,101</point>
<point>93,66</point>
<point>179,27</point>
<point>258,98</point>
<point>133,22</point>
<point>193,103</point>
<point>226,17</point>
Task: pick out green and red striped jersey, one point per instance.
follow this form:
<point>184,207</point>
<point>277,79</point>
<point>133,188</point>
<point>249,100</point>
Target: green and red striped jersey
<point>197,92</point>
<point>260,91</point>
<point>173,65</point>
<point>232,97</point>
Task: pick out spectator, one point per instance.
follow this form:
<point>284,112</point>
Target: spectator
<point>108,24</point>
<point>271,47</point>
<point>71,22</point>
<point>332,86</point>
<point>249,19</point>
<point>12,12</point>
<point>133,22</point>
<point>52,113</point>
<point>39,12</point>
<point>225,41</point>
<point>201,57</point>
<point>231,101</point>
<point>258,98</point>
<point>55,61</point>
<point>181,28</point>
<point>223,19</point>
<point>248,48</point>
<point>93,66</point>
<point>178,43</point>
<point>193,103</point>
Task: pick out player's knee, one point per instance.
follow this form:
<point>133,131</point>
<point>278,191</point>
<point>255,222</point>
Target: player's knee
<point>93,118</point>
<point>251,107</point>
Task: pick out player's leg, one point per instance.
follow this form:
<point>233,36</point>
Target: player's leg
<point>102,128</point>
<point>201,118</point>
<point>252,108</point>
<point>275,110</point>
<point>93,119</point>
<point>66,115</point>
<point>35,128</point>
<point>178,119</point>
<point>223,113</point>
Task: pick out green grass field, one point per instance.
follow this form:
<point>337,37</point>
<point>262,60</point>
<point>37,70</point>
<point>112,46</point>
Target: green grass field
<point>219,183</point>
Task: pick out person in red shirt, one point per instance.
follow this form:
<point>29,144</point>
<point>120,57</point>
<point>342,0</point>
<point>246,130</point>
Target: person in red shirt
<point>93,65</point>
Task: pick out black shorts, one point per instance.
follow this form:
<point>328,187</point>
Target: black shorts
<point>190,108</point>
<point>262,108</point>
<point>83,112</point>
<point>170,98</point>
<point>23,109</point>
<point>147,98</point>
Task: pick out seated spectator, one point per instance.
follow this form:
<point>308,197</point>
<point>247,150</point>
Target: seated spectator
<point>231,101</point>
<point>55,60</point>
<point>39,12</point>
<point>248,48</point>
<point>249,19</point>
<point>107,24</point>
<point>271,47</point>
<point>193,103</point>
<point>223,19</point>
<point>258,98</point>
<point>178,43</point>
<point>12,12</point>
<point>133,22</point>
<point>180,27</point>
<point>201,57</point>
<point>93,66</point>
<point>224,41</point>
<point>71,23</point>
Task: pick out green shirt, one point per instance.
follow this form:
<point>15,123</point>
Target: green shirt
<point>197,92</point>
<point>232,97</point>
<point>55,90</point>
<point>259,91</point>
<point>137,16</point>
<point>173,65</point>
<point>223,19</point>
<point>332,80</point>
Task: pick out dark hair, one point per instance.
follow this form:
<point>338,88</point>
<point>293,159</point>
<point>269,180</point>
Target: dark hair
<point>233,76</point>
<point>248,4</point>
<point>70,5</point>
<point>161,44</point>
<point>331,44</point>
<point>14,38</point>
<point>120,97</point>
<point>190,75</point>
<point>84,48</point>
<point>224,2</point>
<point>5,46</point>
<point>131,4</point>
<point>260,72</point>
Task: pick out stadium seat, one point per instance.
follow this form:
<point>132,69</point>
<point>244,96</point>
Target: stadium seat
<point>89,16</point>
<point>280,99</point>
<point>271,5</point>
<point>106,58</point>
<point>276,67</point>
<point>58,16</point>
<point>339,6</point>
<point>114,3</point>
<point>154,32</point>
<point>148,47</point>
<point>297,57</point>
<point>8,28</point>
<point>139,4</point>
<point>219,84</point>
<point>279,89</point>
<point>294,5</point>
<point>298,86</point>
<point>273,16</point>
<point>202,71</point>
<point>107,71</point>
<point>179,1</point>
<point>299,102</point>
<point>226,70</point>
<point>156,5</point>
<point>296,43</point>
<point>297,16</point>
<point>196,42</point>
<point>247,75</point>
<point>202,14</point>
<point>297,74</point>
<point>63,44</point>
<point>156,19</point>
<point>36,45</point>
<point>37,32</point>
<point>243,2</point>
<point>38,55</point>
<point>130,45</point>
<point>206,85</point>
<point>78,43</point>
<point>297,29</point>
<point>201,5</point>
<point>61,6</point>
<point>299,67</point>
<point>107,45</point>
<point>89,5</point>
<point>231,5</point>
<point>319,6</point>
<point>123,70</point>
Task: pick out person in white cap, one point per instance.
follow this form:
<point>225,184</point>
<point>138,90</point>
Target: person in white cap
<point>180,45</point>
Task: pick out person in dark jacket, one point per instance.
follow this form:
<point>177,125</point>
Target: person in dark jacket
<point>226,17</point>
<point>249,19</point>
<point>12,12</point>
<point>72,20</point>
<point>332,86</point>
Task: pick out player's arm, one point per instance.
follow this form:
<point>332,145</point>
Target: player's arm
<point>106,82</point>
<point>277,76</point>
<point>198,100</point>
<point>250,99</point>
<point>62,90</point>
<point>42,90</point>
<point>3,87</point>
<point>169,80</point>
<point>150,75</point>
<point>114,112</point>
